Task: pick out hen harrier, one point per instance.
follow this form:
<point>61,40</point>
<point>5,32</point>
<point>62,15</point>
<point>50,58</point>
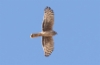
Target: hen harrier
<point>47,31</point>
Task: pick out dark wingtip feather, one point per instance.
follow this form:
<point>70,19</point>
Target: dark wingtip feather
<point>46,55</point>
<point>48,8</point>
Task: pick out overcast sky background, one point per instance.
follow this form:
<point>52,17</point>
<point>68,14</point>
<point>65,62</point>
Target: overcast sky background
<point>77,23</point>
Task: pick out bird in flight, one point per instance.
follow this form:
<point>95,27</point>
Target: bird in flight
<point>47,31</point>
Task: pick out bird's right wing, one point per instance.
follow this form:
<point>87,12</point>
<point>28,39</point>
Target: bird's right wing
<point>48,19</point>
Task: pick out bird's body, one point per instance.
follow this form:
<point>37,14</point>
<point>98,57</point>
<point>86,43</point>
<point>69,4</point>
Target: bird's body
<point>47,31</point>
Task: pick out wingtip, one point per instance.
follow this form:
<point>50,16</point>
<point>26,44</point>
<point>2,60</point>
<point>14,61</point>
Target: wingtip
<point>46,55</point>
<point>48,9</point>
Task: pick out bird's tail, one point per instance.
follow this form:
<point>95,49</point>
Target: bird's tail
<point>33,35</point>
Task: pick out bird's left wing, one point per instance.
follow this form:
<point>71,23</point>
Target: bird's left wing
<point>48,45</point>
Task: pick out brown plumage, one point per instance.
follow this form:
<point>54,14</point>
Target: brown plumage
<point>47,31</point>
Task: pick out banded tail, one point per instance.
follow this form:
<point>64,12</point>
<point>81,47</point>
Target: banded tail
<point>33,35</point>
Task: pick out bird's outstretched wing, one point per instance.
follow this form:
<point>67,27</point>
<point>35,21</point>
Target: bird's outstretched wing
<point>48,45</point>
<point>47,25</point>
<point>48,19</point>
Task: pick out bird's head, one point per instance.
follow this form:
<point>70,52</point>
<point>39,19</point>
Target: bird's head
<point>54,32</point>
